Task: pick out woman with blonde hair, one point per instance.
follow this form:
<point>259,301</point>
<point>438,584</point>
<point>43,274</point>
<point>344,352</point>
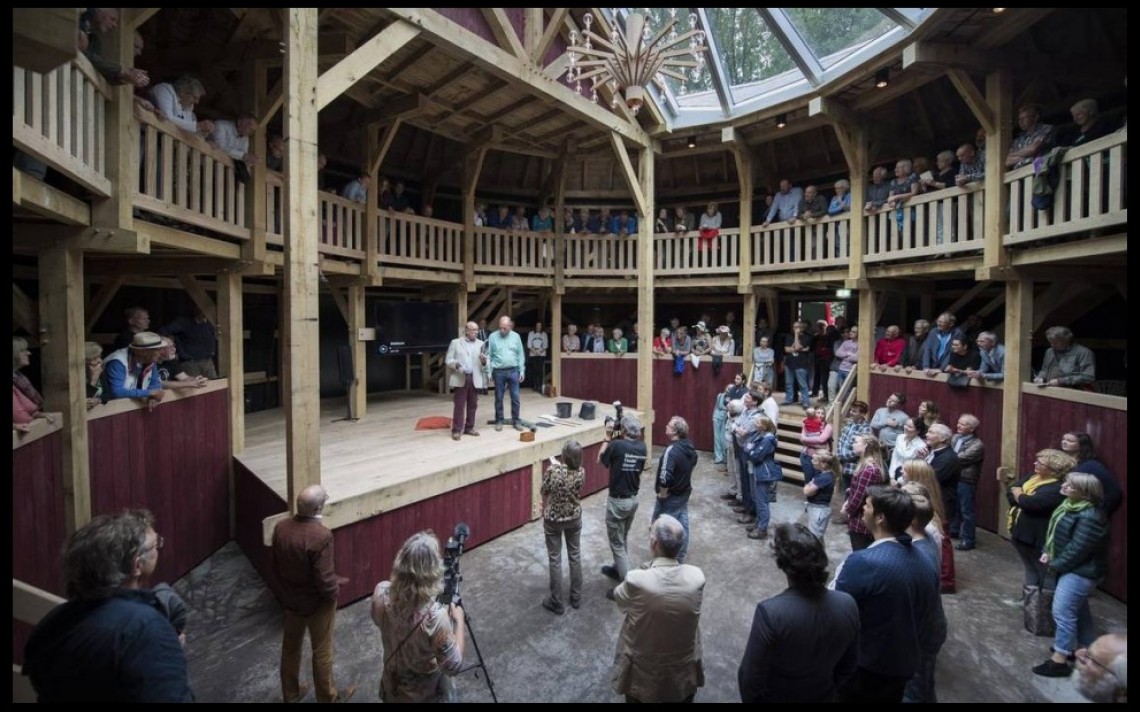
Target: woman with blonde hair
<point>760,454</point>
<point>927,415</point>
<point>1032,500</point>
<point>868,472</point>
<point>921,472</point>
<point>1076,551</point>
<point>27,403</point>
<point>562,519</point>
<point>423,639</point>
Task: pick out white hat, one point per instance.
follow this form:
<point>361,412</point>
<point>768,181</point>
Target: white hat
<point>701,325</point>
<point>723,329</point>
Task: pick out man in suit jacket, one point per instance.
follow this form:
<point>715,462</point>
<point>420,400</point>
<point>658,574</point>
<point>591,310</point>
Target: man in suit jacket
<point>897,594</point>
<point>307,587</point>
<point>658,656</point>
<point>970,451</point>
<point>466,360</point>
<point>947,470</point>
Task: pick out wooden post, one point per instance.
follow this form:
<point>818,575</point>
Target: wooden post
<point>64,390</point>
<point>372,221</point>
<point>472,167</point>
<point>231,344</point>
<point>748,336</point>
<point>257,192</point>
<point>120,140</point>
<point>868,301</point>
<point>555,332</point>
<point>1018,346</point>
<point>302,284</point>
<point>742,154</point>
<point>358,394</point>
<point>999,97</point>
<point>645,297</point>
<point>859,165</point>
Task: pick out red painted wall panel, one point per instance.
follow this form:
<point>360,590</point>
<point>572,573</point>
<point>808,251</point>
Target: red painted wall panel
<point>690,395</point>
<point>175,462</point>
<point>604,380</point>
<point>470,19</point>
<point>985,403</point>
<point>1044,420</point>
<point>365,550</point>
<point>38,527</point>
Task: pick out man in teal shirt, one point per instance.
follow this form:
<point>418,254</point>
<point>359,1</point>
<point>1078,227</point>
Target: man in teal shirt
<point>508,367</point>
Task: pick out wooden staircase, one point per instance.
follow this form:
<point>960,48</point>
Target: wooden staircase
<point>791,421</point>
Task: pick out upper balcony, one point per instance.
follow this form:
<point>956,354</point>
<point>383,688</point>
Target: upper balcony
<point>60,118</point>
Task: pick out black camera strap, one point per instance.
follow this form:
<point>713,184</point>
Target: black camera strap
<point>388,658</point>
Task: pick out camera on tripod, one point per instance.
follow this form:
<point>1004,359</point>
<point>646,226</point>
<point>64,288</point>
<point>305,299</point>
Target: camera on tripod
<point>613,423</point>
<point>451,576</point>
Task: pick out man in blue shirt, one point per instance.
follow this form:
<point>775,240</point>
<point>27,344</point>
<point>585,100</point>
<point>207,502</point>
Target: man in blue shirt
<point>508,368</point>
<point>132,372</point>
<point>936,350</point>
<point>784,204</point>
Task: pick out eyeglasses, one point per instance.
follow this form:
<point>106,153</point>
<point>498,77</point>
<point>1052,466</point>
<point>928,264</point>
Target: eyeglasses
<point>158,543</point>
<point>1083,658</point>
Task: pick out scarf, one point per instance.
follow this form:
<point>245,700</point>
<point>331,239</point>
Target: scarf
<point>21,383</point>
<point>1058,514</point>
<point>1029,487</point>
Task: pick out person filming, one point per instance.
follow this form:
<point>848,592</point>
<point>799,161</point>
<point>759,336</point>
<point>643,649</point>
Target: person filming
<point>423,639</point>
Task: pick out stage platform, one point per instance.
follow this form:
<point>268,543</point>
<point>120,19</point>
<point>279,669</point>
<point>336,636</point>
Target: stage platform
<point>387,480</point>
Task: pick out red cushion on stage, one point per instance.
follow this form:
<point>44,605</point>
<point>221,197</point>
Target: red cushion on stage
<point>434,422</point>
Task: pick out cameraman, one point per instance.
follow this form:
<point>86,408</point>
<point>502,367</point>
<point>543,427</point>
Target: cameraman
<point>423,640</point>
<point>626,458</point>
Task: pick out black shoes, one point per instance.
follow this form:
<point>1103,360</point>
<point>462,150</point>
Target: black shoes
<point>758,534</point>
<point>611,572</point>
<point>1052,668</point>
<point>555,608</point>
<point>963,546</point>
<point>610,594</point>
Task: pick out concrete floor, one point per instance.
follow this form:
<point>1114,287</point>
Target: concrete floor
<point>234,633</point>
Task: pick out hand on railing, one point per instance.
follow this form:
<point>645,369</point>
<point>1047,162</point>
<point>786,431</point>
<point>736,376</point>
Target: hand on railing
<point>144,105</point>
<point>932,372</point>
<point>137,78</point>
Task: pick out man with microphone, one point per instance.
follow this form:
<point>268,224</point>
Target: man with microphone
<point>465,358</point>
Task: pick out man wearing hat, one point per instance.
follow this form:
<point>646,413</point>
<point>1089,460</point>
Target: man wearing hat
<point>132,372</point>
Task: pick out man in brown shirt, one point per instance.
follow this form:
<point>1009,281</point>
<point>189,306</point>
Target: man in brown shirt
<point>307,587</point>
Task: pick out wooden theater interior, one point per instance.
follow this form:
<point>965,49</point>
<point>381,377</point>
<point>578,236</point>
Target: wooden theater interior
<point>472,109</point>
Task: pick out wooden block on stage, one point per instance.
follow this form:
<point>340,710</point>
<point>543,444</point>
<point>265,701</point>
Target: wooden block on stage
<point>550,391</point>
<point>526,436</point>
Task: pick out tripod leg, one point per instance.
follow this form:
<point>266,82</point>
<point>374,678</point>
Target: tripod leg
<point>480,664</point>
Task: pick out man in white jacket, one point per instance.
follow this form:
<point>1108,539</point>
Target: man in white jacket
<point>465,359</point>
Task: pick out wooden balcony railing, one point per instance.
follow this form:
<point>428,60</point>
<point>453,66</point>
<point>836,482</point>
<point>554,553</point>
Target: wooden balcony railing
<point>678,256</point>
<point>186,179</point>
<point>59,118</point>
<point>342,226</point>
<point>421,242</point>
<point>275,208</point>
<point>817,244</point>
<point>939,223</point>
<point>1091,193</point>
<point>504,252</point>
<point>599,256</point>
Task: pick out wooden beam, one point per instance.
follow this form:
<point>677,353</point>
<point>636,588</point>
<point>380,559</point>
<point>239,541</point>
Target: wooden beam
<point>645,287</point>
<point>532,29</point>
<point>163,236</point>
<point>230,326</point>
<point>971,294</point>
<point>363,60</point>
<point>631,180</point>
<point>1014,25</point>
<point>199,297</point>
<point>43,38</point>
<point>301,283</point>
<point>1107,246</point>
<point>995,214</point>
<point>40,237</point>
<point>502,64</point>
<point>62,366</point>
<point>401,109</point>
<point>974,98</point>
<point>553,29</point>
<point>40,198</point>
<point>358,393</point>
<point>25,313</point>
<point>101,301</point>
<point>136,17</point>
<point>383,144</point>
<point>504,31</point>
<point>1018,348</point>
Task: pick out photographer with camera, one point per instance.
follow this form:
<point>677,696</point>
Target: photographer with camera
<point>625,455</point>
<point>423,639</point>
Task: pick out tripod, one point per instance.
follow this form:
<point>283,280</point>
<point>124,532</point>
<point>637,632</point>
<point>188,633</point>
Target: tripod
<point>481,664</point>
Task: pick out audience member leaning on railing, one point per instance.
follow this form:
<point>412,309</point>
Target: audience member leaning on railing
<point>1066,364</point>
<point>27,403</point>
<point>132,372</point>
<point>175,102</point>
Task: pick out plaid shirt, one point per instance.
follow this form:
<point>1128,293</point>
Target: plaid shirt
<point>846,452</point>
<point>975,171</point>
<point>1043,132</point>
<point>853,507</point>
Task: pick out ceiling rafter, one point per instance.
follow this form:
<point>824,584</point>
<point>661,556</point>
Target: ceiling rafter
<point>716,67</point>
<point>791,39</point>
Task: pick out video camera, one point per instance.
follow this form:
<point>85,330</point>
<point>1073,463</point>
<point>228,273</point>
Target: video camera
<point>613,423</point>
<point>451,576</point>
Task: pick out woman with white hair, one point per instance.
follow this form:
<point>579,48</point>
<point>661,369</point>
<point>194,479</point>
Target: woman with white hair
<point>27,403</point>
<point>619,345</point>
<point>841,203</point>
<point>423,639</point>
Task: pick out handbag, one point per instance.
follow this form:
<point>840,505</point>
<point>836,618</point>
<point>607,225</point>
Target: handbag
<point>1038,611</point>
<point>958,381</point>
<point>678,364</point>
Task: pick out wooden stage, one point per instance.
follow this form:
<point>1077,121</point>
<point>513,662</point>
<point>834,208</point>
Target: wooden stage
<point>387,480</point>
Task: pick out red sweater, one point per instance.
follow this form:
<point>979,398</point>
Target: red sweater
<point>888,352</point>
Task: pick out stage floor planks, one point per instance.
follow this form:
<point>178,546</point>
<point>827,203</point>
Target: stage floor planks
<point>382,462</point>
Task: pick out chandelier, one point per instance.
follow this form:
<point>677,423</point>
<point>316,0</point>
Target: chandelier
<point>628,62</point>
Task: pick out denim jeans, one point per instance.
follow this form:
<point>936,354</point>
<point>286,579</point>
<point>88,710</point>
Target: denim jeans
<point>619,517</point>
<point>505,377</point>
<point>796,377</point>
<point>1071,613</point>
<point>967,494</point>
<point>676,506</point>
<point>763,507</point>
